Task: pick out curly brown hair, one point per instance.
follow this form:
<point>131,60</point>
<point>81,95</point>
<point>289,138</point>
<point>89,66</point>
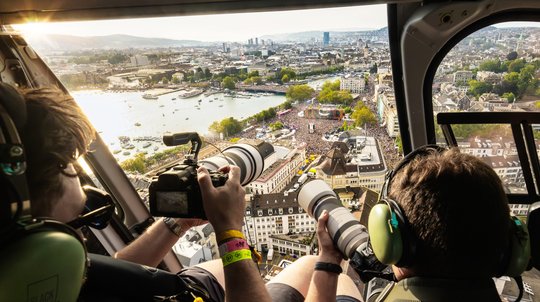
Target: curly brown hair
<point>457,209</point>
<point>56,133</point>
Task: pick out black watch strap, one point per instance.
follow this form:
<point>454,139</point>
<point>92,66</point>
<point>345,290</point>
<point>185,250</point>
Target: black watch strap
<point>328,267</point>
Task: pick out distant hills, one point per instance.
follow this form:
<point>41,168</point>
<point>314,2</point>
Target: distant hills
<point>71,43</point>
<point>53,43</point>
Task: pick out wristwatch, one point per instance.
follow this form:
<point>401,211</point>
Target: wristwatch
<point>173,226</point>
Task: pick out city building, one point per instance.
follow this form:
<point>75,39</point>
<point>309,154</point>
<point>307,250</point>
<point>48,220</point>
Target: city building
<point>197,245</point>
<point>462,77</point>
<point>276,177</point>
<point>191,254</point>
<point>353,83</point>
<point>296,244</point>
<point>387,112</point>
<point>139,60</point>
<point>490,77</point>
<point>353,161</point>
<point>326,38</point>
<point>275,214</point>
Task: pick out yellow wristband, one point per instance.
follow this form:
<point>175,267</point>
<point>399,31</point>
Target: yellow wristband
<point>230,234</point>
<point>236,256</point>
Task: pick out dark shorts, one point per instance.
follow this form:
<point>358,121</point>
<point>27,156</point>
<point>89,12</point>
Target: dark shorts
<point>203,278</point>
<point>279,292</point>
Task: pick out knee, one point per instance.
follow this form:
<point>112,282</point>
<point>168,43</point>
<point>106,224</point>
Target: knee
<point>306,261</point>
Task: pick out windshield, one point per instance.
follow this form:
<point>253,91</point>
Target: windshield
<point>306,81</point>
<point>493,69</point>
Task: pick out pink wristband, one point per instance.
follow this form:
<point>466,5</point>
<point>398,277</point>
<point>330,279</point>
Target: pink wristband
<point>233,245</point>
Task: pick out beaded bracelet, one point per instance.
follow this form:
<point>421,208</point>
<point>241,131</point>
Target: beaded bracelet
<point>230,234</point>
<point>233,245</point>
<point>235,256</point>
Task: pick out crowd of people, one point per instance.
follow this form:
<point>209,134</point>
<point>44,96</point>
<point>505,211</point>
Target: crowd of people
<point>314,142</point>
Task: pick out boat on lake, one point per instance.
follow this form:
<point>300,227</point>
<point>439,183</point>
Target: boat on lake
<point>149,96</point>
<point>190,93</point>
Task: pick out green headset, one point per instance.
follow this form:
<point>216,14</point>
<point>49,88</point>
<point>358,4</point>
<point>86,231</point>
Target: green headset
<point>393,242</point>
<point>41,259</point>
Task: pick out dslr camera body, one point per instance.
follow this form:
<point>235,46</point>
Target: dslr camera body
<point>176,192</point>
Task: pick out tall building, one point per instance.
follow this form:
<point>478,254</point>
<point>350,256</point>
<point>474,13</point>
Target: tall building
<point>326,38</point>
<point>139,60</point>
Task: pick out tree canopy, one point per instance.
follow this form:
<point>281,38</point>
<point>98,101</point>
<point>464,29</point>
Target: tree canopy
<point>330,93</point>
<point>228,126</point>
<point>228,83</point>
<point>362,115</point>
<point>299,93</point>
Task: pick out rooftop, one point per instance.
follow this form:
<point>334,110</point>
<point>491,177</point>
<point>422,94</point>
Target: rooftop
<point>352,153</point>
<point>301,238</point>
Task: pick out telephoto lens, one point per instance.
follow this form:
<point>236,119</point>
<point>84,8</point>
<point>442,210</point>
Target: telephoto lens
<point>250,158</point>
<point>346,232</point>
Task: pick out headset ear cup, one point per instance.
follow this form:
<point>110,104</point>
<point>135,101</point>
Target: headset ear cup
<point>385,239</point>
<point>519,249</point>
<point>47,260</point>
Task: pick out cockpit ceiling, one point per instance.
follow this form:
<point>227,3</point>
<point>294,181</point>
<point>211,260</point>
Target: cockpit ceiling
<point>17,11</point>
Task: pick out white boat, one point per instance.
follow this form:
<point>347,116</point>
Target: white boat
<point>149,96</point>
<point>147,144</point>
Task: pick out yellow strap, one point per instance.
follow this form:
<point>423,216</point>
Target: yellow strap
<point>256,253</point>
<point>236,256</point>
<point>229,235</point>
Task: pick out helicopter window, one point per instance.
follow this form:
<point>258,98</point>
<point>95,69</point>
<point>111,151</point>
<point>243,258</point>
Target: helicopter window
<point>494,69</point>
<point>227,80</point>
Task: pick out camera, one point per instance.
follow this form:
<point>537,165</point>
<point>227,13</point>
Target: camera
<point>349,236</point>
<point>176,192</point>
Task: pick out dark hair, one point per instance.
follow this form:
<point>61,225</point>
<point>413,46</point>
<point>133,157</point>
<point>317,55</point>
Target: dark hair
<point>458,210</point>
<point>56,134</point>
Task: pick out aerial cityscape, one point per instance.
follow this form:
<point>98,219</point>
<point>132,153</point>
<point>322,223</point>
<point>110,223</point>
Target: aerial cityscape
<point>323,99</point>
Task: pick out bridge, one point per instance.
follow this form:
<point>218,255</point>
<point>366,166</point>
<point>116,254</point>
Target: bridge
<point>264,88</point>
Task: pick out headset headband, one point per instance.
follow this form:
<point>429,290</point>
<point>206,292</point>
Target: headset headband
<point>12,155</point>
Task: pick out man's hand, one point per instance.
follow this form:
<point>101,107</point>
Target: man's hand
<point>224,206</point>
<point>327,250</point>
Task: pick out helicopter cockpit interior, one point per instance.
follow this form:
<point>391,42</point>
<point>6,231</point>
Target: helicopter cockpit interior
<point>462,74</point>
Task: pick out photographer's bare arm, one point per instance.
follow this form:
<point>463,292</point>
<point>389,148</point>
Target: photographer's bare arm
<point>150,248</point>
<point>224,207</point>
<point>324,284</point>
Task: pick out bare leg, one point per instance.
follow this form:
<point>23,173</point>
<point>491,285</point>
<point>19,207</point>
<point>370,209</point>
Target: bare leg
<point>215,267</point>
<point>346,287</point>
<point>298,274</point>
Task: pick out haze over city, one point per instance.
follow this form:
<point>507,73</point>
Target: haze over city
<point>231,27</point>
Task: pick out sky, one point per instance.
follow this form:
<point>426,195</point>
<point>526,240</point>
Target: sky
<point>231,27</point>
